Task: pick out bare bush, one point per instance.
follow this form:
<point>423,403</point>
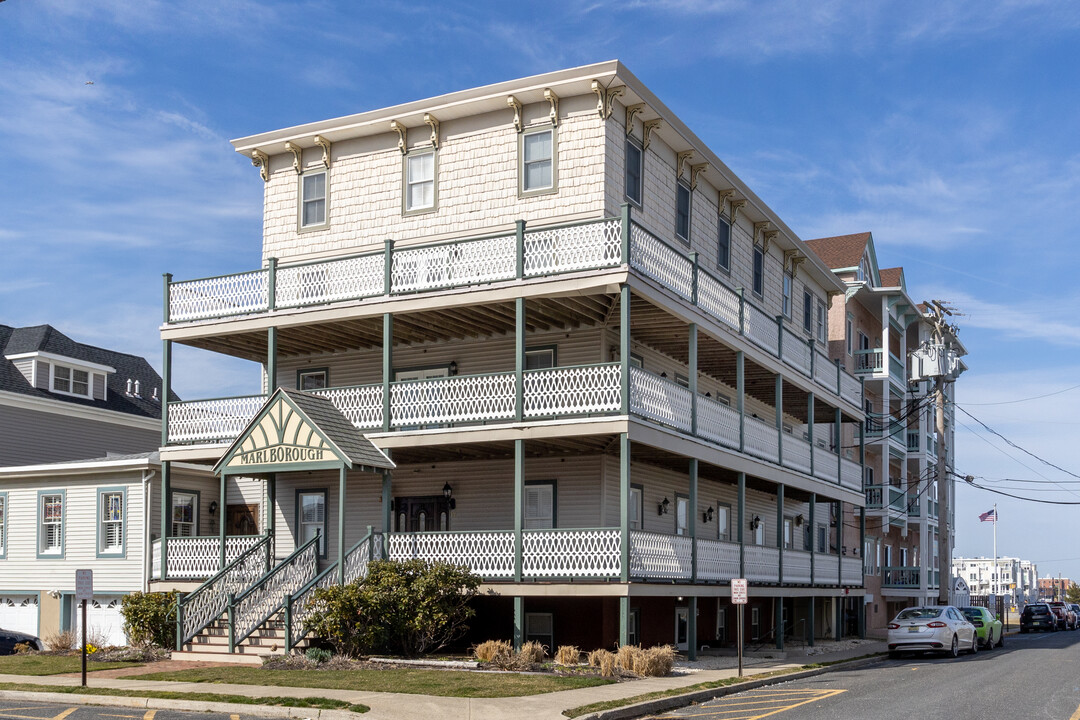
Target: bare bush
<point>568,655</point>
<point>497,652</point>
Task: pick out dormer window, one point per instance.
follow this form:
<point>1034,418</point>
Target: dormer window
<point>71,381</point>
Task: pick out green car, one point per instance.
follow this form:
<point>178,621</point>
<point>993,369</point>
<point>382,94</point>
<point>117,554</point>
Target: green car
<point>987,627</point>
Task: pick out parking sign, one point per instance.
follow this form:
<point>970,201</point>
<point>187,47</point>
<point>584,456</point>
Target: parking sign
<point>84,585</point>
<point>738,591</point>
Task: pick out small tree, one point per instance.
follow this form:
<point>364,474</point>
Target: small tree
<point>150,618</point>
<point>1073,593</point>
<point>408,607</point>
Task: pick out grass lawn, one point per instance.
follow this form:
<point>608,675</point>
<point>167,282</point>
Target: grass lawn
<point>53,664</point>
<point>311,702</point>
<point>444,683</point>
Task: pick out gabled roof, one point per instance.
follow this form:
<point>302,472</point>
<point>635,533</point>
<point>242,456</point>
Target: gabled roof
<point>892,277</point>
<point>842,251</point>
<point>47,339</point>
<point>295,430</point>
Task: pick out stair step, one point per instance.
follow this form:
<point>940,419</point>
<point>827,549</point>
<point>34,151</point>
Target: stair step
<point>224,656</point>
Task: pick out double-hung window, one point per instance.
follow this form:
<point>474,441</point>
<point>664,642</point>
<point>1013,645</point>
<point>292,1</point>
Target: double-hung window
<point>313,379</point>
<point>723,521</point>
<point>311,511</point>
<point>682,515</point>
<point>51,519</point>
<point>420,181</point>
<point>313,198</point>
<point>110,522</point>
<point>759,533</point>
<point>787,295</point>
<point>635,507</point>
<point>540,506</point>
<point>723,243</point>
<point>539,358</point>
<point>70,380</point>
<point>682,211</point>
<point>807,312</point>
<point>759,271</point>
<point>848,334</point>
<point>3,524</point>
<point>821,322</point>
<point>185,513</point>
<point>633,171</point>
<point>538,166</point>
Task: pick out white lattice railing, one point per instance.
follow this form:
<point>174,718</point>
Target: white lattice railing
<point>797,567</point>
<point>796,453</point>
<point>826,569</point>
<point>717,560</point>
<point>660,399</point>
<point>850,474</point>
<point>663,263</point>
<point>718,422</point>
<point>761,563</point>
<point>326,282</point>
<point>571,553</point>
<point>825,371</point>
<point>573,390</point>
<point>357,559</point>
<point>825,464</point>
<point>255,605</point>
<point>207,602</point>
<point>583,246</point>
<point>760,439</point>
<point>199,557</point>
<point>489,554</point>
<point>796,352</point>
<point>851,572</point>
<point>660,556</point>
<point>454,264</point>
<point>238,294</point>
<point>437,401</point>
<point>718,300</point>
<point>211,420</point>
<point>360,404</point>
<point>760,328</point>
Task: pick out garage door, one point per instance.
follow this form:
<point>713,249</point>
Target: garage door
<point>106,624</point>
<point>19,612</point>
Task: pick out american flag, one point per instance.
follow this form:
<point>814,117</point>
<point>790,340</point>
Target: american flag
<point>989,516</point>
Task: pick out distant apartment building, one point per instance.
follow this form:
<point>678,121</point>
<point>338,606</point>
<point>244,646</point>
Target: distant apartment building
<point>1012,577</point>
<point>1051,588</point>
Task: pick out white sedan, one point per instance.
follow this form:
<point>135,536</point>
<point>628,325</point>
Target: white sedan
<point>936,628</point>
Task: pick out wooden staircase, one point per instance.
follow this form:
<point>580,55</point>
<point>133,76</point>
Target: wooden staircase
<point>212,644</point>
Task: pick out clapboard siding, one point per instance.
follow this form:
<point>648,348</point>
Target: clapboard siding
<point>25,368</point>
<point>32,437</point>
<point>209,491</point>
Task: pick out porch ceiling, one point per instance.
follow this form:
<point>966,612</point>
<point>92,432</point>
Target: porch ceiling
<point>554,447</point>
<point>437,324</point>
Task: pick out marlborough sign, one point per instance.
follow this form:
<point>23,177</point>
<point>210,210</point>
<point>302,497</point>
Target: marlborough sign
<point>281,437</point>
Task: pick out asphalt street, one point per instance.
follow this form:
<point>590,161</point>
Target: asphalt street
<point>1033,677</point>
<point>22,710</point>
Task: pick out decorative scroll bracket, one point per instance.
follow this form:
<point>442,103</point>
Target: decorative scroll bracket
<point>724,195</point>
<point>403,135</point>
<point>695,171</point>
<point>647,129</point>
<point>513,103</point>
<point>767,237</point>
<point>631,111</point>
<point>680,160</point>
<point>735,206</point>
<point>297,156</point>
<point>552,98</point>
<point>325,145</point>
<point>261,160</point>
<point>605,96</point>
<point>432,123</point>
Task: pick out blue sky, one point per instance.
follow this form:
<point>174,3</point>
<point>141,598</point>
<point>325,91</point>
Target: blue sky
<point>949,129</point>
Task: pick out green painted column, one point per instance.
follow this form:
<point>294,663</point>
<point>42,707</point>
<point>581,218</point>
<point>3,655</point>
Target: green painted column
<point>342,478</point>
<point>624,620</point>
<point>387,510</point>
<point>811,629</point>
<point>166,515</point>
<point>692,520</point>
<point>780,532</point>
<point>838,439</point>
<point>740,396</point>
<point>271,284</point>
<point>779,393</point>
<point>387,369</point>
<point>166,388</point>
<point>693,380</point>
<point>519,359</point>
<point>624,236</point>
<point>810,427</point>
<point>840,549</point>
<point>624,507</point>
<point>813,536</point>
<point>779,604</point>
<point>624,345</point>
<point>271,501</point>
<point>519,249</point>
<point>271,360</point>
<point>519,622</point>
<point>221,520</point>
<point>741,512</point>
<point>691,629</point>
<point>519,507</point>
<point>838,630</point>
<point>862,549</point>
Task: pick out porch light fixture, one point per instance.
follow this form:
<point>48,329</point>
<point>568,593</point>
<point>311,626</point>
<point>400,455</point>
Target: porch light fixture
<point>798,520</point>
<point>755,523</point>
<point>448,493</point>
<point>663,374</point>
<point>452,369</point>
<point>213,508</point>
<point>707,516</point>
<point>662,507</point>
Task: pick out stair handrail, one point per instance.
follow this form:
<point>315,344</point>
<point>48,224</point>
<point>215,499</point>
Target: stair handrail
<point>208,601</point>
<point>294,606</point>
<point>253,610</point>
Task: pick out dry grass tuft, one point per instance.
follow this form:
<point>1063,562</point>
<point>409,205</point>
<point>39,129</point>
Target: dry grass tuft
<point>498,652</point>
<point>568,655</point>
<point>531,653</point>
<point>656,661</point>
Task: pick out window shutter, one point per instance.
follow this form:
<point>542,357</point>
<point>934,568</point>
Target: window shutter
<point>538,506</point>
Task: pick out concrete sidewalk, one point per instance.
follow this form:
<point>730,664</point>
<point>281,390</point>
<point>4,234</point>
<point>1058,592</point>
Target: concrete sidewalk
<point>398,706</point>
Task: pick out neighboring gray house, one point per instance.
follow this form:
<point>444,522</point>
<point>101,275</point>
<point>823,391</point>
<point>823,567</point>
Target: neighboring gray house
<point>62,400</point>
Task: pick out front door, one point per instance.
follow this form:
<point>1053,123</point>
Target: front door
<point>241,520</point>
<point>422,514</point>
<point>682,628</point>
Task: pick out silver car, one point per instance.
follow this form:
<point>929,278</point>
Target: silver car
<point>940,628</point>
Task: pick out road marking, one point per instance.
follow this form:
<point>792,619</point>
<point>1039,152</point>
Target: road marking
<point>64,714</point>
<point>5,714</point>
<point>149,715</point>
<point>127,716</point>
<point>1075,715</point>
<point>234,717</point>
<point>774,701</point>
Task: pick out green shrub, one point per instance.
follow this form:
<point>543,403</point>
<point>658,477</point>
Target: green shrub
<point>150,618</point>
<point>318,655</point>
<point>407,607</point>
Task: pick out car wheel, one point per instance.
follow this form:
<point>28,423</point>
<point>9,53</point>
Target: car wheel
<point>954,649</point>
<point>1001,639</point>
<point>989,644</point>
<point>894,654</point>
<point>974,643</point>
<point>1023,631</point>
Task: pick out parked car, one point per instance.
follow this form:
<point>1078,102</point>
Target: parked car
<point>940,628</point>
<point>1076,609</point>
<point>1038,616</point>
<point>10,638</point>
<point>1066,617</point>
<point>987,627</point>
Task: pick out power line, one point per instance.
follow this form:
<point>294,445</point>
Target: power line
<point>1011,402</point>
<point>1021,497</point>
<point>1021,449</point>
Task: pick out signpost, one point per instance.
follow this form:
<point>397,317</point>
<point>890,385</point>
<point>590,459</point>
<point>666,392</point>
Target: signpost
<point>84,590</point>
<point>739,592</point>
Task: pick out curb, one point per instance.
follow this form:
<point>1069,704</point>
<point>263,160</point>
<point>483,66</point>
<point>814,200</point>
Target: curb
<point>677,701</point>
<point>276,711</point>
